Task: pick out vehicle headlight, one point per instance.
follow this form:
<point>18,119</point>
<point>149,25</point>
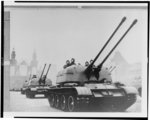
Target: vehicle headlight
<point>46,87</point>
<point>33,89</point>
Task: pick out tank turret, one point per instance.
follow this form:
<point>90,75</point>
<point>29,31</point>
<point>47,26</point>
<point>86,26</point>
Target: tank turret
<point>39,85</point>
<point>71,74</point>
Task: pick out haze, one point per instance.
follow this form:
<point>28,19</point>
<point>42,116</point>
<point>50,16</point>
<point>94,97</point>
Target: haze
<point>60,34</point>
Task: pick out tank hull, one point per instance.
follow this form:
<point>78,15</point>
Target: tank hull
<point>84,99</point>
<point>37,90</point>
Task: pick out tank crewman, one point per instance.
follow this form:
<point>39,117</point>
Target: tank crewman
<point>91,62</point>
<point>94,73</point>
<point>72,62</point>
<point>67,64</point>
<point>40,81</point>
<point>91,72</point>
<point>43,79</point>
<point>86,64</point>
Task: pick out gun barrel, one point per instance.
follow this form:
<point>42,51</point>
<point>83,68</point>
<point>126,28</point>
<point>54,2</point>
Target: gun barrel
<point>122,21</point>
<point>30,77</point>
<point>133,23</point>
<point>48,69</point>
<point>42,71</point>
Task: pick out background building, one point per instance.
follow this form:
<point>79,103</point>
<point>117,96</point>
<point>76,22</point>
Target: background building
<point>20,71</point>
<point>33,64</point>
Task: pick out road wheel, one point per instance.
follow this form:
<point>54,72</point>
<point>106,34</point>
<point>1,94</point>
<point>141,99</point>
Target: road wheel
<point>63,102</point>
<point>57,101</point>
<point>72,104</point>
<point>27,94</point>
<point>32,95</point>
<point>51,99</point>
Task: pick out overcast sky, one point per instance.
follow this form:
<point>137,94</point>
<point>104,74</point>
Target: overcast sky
<point>60,34</point>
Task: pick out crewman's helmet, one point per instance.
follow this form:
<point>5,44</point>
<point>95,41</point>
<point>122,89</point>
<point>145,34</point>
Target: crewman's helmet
<point>86,63</point>
<point>67,62</point>
<point>73,60</point>
<point>91,61</point>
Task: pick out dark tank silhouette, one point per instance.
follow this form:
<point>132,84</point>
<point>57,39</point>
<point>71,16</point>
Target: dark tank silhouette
<point>38,85</point>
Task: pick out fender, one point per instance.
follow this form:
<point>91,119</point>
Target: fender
<point>83,91</point>
<point>130,90</point>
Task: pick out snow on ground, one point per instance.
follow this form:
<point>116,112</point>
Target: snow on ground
<point>19,103</point>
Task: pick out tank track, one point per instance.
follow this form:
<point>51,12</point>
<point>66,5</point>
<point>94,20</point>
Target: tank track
<point>68,100</point>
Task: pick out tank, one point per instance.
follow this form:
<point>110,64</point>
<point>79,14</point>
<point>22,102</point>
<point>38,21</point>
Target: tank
<point>91,88</point>
<point>38,85</point>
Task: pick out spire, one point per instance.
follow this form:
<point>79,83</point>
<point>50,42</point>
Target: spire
<point>13,60</point>
<point>34,61</point>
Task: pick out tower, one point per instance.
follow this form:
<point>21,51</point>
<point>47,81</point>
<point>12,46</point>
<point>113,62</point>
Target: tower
<point>34,63</point>
<point>13,61</point>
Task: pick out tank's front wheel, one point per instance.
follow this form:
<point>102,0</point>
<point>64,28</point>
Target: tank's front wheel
<point>32,95</point>
<point>72,106</point>
<point>27,94</point>
<point>21,91</point>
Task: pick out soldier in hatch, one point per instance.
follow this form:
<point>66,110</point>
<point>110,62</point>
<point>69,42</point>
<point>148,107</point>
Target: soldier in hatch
<point>72,62</point>
<point>86,64</point>
<point>91,62</point>
<point>67,64</point>
<point>43,79</point>
<point>94,72</point>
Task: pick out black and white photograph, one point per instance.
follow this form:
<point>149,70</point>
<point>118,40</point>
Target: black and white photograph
<point>78,59</point>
